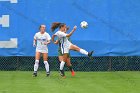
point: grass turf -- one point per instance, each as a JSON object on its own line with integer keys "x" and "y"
{"x": 83, "y": 82}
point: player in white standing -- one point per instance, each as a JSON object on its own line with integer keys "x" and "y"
{"x": 66, "y": 45}
{"x": 41, "y": 40}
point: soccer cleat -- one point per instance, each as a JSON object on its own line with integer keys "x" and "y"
{"x": 72, "y": 73}
{"x": 48, "y": 74}
{"x": 35, "y": 74}
{"x": 62, "y": 73}
{"x": 90, "y": 54}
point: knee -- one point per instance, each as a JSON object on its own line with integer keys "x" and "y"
{"x": 77, "y": 49}
{"x": 69, "y": 65}
{"x": 64, "y": 59}
{"x": 60, "y": 59}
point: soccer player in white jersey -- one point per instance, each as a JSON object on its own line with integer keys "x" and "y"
{"x": 41, "y": 40}
{"x": 60, "y": 55}
{"x": 66, "y": 45}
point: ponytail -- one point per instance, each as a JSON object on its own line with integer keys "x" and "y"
{"x": 55, "y": 25}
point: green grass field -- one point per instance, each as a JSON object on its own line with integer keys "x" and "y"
{"x": 83, "y": 82}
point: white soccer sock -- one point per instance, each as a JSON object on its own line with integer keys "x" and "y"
{"x": 83, "y": 52}
{"x": 46, "y": 66}
{"x": 36, "y": 65}
{"x": 62, "y": 65}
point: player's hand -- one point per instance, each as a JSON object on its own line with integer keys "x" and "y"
{"x": 45, "y": 43}
{"x": 34, "y": 45}
{"x": 75, "y": 27}
{"x": 56, "y": 42}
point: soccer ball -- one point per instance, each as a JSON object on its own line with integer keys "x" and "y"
{"x": 84, "y": 24}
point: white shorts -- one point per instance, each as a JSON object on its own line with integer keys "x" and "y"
{"x": 42, "y": 50}
{"x": 65, "y": 48}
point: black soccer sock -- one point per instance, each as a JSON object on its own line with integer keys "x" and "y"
{"x": 70, "y": 68}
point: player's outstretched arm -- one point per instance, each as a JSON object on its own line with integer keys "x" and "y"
{"x": 74, "y": 28}
{"x": 53, "y": 38}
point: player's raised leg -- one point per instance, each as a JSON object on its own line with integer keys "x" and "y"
{"x": 82, "y": 51}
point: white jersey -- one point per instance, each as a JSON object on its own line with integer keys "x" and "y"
{"x": 41, "y": 42}
{"x": 65, "y": 43}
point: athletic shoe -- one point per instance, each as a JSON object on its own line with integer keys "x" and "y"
{"x": 62, "y": 73}
{"x": 48, "y": 74}
{"x": 35, "y": 74}
{"x": 90, "y": 54}
{"x": 72, "y": 73}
